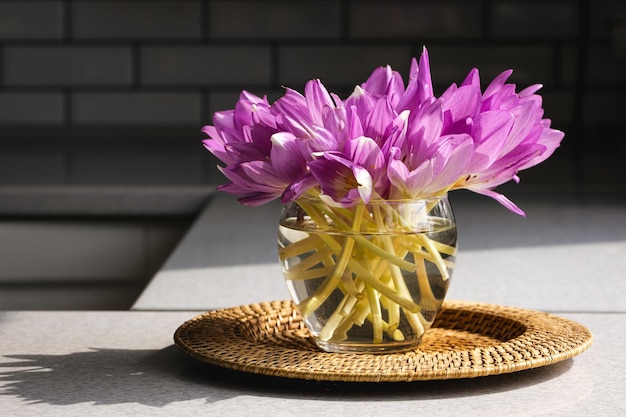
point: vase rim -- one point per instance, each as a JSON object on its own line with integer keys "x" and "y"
{"x": 379, "y": 201}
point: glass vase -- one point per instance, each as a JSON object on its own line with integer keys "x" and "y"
{"x": 368, "y": 278}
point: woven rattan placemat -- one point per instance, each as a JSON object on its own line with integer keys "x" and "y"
{"x": 467, "y": 340}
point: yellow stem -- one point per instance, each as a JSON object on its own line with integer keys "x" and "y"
{"x": 369, "y": 270}
{"x": 376, "y": 314}
{"x": 428, "y": 244}
{"x": 307, "y": 265}
{"x": 388, "y": 292}
{"x": 302, "y": 275}
{"x": 424, "y": 241}
{"x": 312, "y": 303}
{"x": 361, "y": 240}
{"x": 305, "y": 245}
{"x": 427, "y": 298}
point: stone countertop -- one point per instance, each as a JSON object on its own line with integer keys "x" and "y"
{"x": 125, "y": 364}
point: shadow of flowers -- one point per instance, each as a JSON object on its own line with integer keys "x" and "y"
{"x": 107, "y": 376}
{"x": 160, "y": 377}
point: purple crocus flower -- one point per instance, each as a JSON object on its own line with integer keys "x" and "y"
{"x": 259, "y": 165}
{"x": 256, "y": 181}
{"x": 343, "y": 183}
{"x": 242, "y": 133}
{"x": 384, "y": 141}
{"x": 311, "y": 118}
{"x": 508, "y": 130}
{"x": 414, "y": 176}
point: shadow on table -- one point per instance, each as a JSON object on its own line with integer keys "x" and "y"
{"x": 160, "y": 377}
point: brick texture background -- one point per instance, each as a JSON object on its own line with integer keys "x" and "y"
{"x": 115, "y": 92}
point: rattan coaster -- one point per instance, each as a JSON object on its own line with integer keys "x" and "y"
{"x": 467, "y": 340}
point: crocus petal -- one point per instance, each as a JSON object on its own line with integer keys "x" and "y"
{"x": 317, "y": 98}
{"x": 410, "y": 98}
{"x": 251, "y": 109}
{"x": 335, "y": 121}
{"x": 505, "y": 168}
{"x": 530, "y": 90}
{"x": 298, "y": 188}
{"x": 398, "y": 174}
{"x": 256, "y": 199}
{"x": 551, "y": 139}
{"x": 525, "y": 119}
{"x": 500, "y": 199}
{"x": 493, "y": 126}
{"x": 322, "y": 140}
{"x": 473, "y": 78}
{"x": 491, "y": 130}
{"x": 384, "y": 82}
{"x": 249, "y": 198}
{"x": 419, "y": 90}
{"x": 247, "y": 151}
{"x": 461, "y": 103}
{"x": 361, "y": 101}
{"x": 365, "y": 152}
{"x": 255, "y": 175}
{"x": 245, "y": 182}
{"x": 405, "y": 183}
{"x": 419, "y": 179}
{"x": 224, "y": 120}
{"x": 342, "y": 181}
{"x": 286, "y": 156}
{"x": 378, "y": 81}
{"x": 453, "y": 157}
{"x": 366, "y": 184}
{"x": 216, "y": 146}
{"x": 381, "y": 116}
{"x": 355, "y": 126}
{"x": 424, "y": 81}
{"x": 497, "y": 83}
{"x": 396, "y": 137}
{"x": 292, "y": 113}
{"x": 424, "y": 129}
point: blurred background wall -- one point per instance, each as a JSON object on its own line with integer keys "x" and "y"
{"x": 97, "y": 94}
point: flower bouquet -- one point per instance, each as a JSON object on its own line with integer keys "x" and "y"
{"x": 367, "y": 239}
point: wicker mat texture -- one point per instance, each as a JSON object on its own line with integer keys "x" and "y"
{"x": 467, "y": 340}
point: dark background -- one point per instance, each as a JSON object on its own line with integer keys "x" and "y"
{"x": 101, "y": 94}
{"x": 115, "y": 92}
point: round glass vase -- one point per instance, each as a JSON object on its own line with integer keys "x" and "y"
{"x": 368, "y": 278}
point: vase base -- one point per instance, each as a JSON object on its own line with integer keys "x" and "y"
{"x": 371, "y": 348}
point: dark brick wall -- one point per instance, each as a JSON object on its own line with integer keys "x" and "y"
{"x": 115, "y": 92}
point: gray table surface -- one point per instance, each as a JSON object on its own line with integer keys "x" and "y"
{"x": 124, "y": 364}
{"x": 567, "y": 257}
